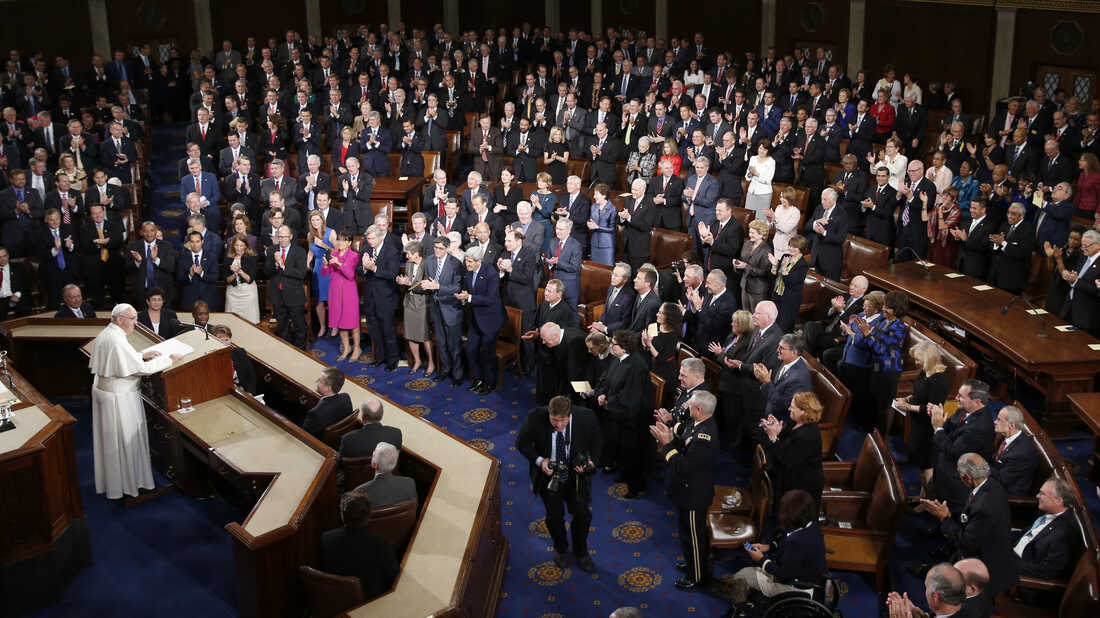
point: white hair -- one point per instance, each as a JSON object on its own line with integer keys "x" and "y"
{"x": 384, "y": 457}
{"x": 121, "y": 310}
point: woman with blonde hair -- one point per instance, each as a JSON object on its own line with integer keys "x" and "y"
{"x": 321, "y": 239}
{"x": 755, "y": 268}
{"x": 78, "y": 178}
{"x": 556, "y": 156}
{"x": 930, "y": 388}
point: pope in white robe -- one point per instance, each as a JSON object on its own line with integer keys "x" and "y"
{"x": 119, "y": 435}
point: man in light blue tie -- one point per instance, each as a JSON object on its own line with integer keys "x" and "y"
{"x": 1048, "y": 549}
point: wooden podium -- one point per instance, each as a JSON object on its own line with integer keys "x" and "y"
{"x": 202, "y": 375}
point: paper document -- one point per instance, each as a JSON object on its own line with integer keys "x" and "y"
{"x": 899, "y": 410}
{"x": 652, "y": 330}
{"x": 954, "y": 275}
{"x": 403, "y": 178}
{"x": 1066, "y": 328}
{"x": 1094, "y": 346}
{"x": 926, "y": 263}
{"x": 1037, "y": 199}
{"x": 169, "y": 347}
{"x": 7, "y": 396}
{"x": 581, "y": 387}
{"x": 1036, "y": 311}
{"x": 983, "y": 288}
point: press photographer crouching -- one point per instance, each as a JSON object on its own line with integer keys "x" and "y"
{"x": 563, "y": 443}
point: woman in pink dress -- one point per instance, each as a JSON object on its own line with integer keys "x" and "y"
{"x": 343, "y": 294}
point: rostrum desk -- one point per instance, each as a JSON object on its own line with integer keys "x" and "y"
{"x": 456, "y": 558}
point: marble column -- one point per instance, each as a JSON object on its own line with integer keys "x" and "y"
{"x": 1002, "y": 57}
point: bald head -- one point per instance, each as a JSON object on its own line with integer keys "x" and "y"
{"x": 975, "y": 574}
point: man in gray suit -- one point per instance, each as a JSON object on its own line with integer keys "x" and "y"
{"x": 280, "y": 183}
{"x": 386, "y": 488}
{"x": 443, "y": 279}
{"x": 572, "y": 118}
{"x": 534, "y": 232}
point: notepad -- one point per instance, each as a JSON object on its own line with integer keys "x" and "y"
{"x": 581, "y": 387}
{"x": 1094, "y": 346}
{"x": 983, "y": 288}
{"x": 954, "y": 275}
{"x": 651, "y": 330}
{"x": 169, "y": 347}
{"x": 926, "y": 263}
{"x": 1066, "y": 328}
{"x": 624, "y": 195}
{"x": 1036, "y": 311}
{"x": 403, "y": 178}
{"x": 1037, "y": 199}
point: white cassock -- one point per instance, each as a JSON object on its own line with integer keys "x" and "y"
{"x": 119, "y": 435}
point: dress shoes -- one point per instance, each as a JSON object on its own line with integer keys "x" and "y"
{"x": 561, "y": 559}
{"x": 474, "y": 386}
{"x": 376, "y": 363}
{"x": 681, "y": 566}
{"x": 688, "y": 583}
{"x": 484, "y": 389}
{"x": 435, "y": 375}
{"x": 391, "y": 366}
{"x": 456, "y": 382}
{"x": 585, "y": 564}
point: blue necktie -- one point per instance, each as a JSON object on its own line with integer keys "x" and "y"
{"x": 149, "y": 279}
{"x": 559, "y": 447}
{"x": 60, "y": 252}
{"x": 196, "y": 259}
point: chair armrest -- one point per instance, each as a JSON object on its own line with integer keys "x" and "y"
{"x": 1027, "y": 502}
{"x": 1036, "y": 583}
{"x": 847, "y": 506}
{"x": 838, "y": 473}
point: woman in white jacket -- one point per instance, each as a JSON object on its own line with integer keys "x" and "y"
{"x": 759, "y": 174}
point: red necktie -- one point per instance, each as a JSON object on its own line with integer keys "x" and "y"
{"x": 202, "y": 130}
{"x": 441, "y": 211}
{"x": 1000, "y": 449}
{"x": 277, "y": 190}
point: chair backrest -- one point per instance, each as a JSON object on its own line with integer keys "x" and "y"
{"x": 666, "y": 246}
{"x": 744, "y": 216}
{"x": 1082, "y": 589}
{"x": 513, "y": 325}
{"x": 454, "y": 142}
{"x": 578, "y": 168}
{"x": 960, "y": 367}
{"x": 882, "y": 509}
{"x": 328, "y": 594}
{"x": 868, "y": 465}
{"x": 760, "y": 482}
{"x": 395, "y": 524}
{"x": 835, "y": 399}
{"x": 332, "y": 434}
{"x": 433, "y": 160}
{"x": 658, "y": 384}
{"x": 357, "y": 470}
{"x": 595, "y": 279}
{"x": 861, "y": 254}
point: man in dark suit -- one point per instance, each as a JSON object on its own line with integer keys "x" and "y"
{"x": 563, "y": 445}
{"x": 151, "y": 263}
{"x": 778, "y": 386}
{"x": 874, "y": 217}
{"x": 619, "y": 302}
{"x": 1020, "y": 155}
{"x": 970, "y": 430}
{"x": 712, "y": 311}
{"x": 562, "y": 360}
{"x": 285, "y": 266}
{"x": 332, "y": 407}
{"x": 244, "y": 373}
{"x": 244, "y": 186}
{"x": 362, "y": 441}
{"x": 1082, "y": 305}
{"x": 689, "y": 455}
{"x": 826, "y": 230}
{"x": 834, "y": 133}
{"x": 102, "y": 192}
{"x": 526, "y": 148}
{"x": 229, "y": 155}
{"x": 311, "y": 181}
{"x": 636, "y": 219}
{"x": 1049, "y": 548}
{"x": 279, "y": 183}
{"x": 481, "y": 291}
{"x": 825, "y": 334}
{"x": 1012, "y": 249}
{"x": 435, "y": 195}
{"x": 915, "y": 195}
{"x": 355, "y": 551}
{"x": 646, "y": 303}
{"x": 16, "y": 301}
{"x": 74, "y": 304}
{"x": 667, "y": 189}
{"x": 410, "y": 144}
{"x": 443, "y": 279}
{"x": 626, "y": 397}
{"x": 861, "y": 131}
{"x": 356, "y": 188}
{"x": 20, "y": 207}
{"x": 380, "y": 266}
{"x": 101, "y": 264}
{"x": 977, "y": 252}
{"x": 387, "y": 488}
{"x": 604, "y": 153}
{"x": 198, "y": 270}
{"x": 520, "y": 271}
{"x": 811, "y": 148}
{"x": 563, "y": 258}
{"x": 55, "y": 245}
{"x": 983, "y": 529}
{"x": 116, "y": 153}
{"x": 909, "y": 127}
{"x": 1053, "y": 218}
{"x": 722, "y": 239}
{"x": 577, "y": 207}
{"x": 205, "y": 133}
{"x": 1014, "y": 462}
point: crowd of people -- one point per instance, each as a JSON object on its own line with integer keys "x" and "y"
{"x": 288, "y": 138}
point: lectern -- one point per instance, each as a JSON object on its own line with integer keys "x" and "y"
{"x": 204, "y": 374}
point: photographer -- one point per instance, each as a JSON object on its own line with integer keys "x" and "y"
{"x": 550, "y": 437}
{"x": 690, "y": 457}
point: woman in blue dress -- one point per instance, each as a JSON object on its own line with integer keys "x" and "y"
{"x": 321, "y": 240}
{"x": 601, "y": 225}
{"x": 543, "y": 202}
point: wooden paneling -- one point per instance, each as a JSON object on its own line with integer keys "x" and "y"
{"x": 425, "y": 13}
{"x": 733, "y": 26}
{"x": 812, "y": 21}
{"x": 1033, "y": 46}
{"x": 146, "y": 20}
{"x": 27, "y": 27}
{"x": 574, "y": 13}
{"x": 636, "y": 14}
{"x": 237, "y": 20}
{"x": 957, "y": 45}
{"x": 496, "y": 13}
{"x": 336, "y": 13}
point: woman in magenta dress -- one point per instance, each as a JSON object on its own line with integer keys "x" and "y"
{"x": 343, "y": 294}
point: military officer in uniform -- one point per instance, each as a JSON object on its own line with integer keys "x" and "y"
{"x": 690, "y": 461}
{"x": 693, "y": 375}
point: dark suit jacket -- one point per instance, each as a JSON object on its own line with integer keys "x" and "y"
{"x": 976, "y": 250}
{"x": 827, "y": 250}
{"x": 521, "y": 285}
{"x": 713, "y": 320}
{"x": 644, "y": 312}
{"x": 486, "y": 309}
{"x": 360, "y": 553}
{"x": 1053, "y": 552}
{"x": 164, "y": 274}
{"x": 812, "y": 170}
{"x": 1015, "y": 467}
{"x": 285, "y": 284}
{"x": 985, "y": 534}
{"x": 535, "y": 440}
{"x": 880, "y": 218}
{"x": 203, "y": 287}
{"x": 777, "y": 393}
{"x": 246, "y": 372}
{"x": 1012, "y": 265}
{"x": 972, "y": 434}
{"x": 380, "y": 284}
{"x": 361, "y": 442}
{"x": 617, "y": 315}
{"x": 389, "y": 489}
{"x": 727, "y": 245}
{"x": 85, "y": 309}
{"x": 637, "y": 229}
{"x": 328, "y": 411}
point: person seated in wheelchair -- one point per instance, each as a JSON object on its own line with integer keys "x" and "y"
{"x": 794, "y": 561}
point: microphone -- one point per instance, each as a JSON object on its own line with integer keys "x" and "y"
{"x": 1011, "y": 302}
{"x": 925, "y": 264}
{"x": 205, "y": 329}
{"x": 1038, "y": 316}
{"x": 900, "y": 252}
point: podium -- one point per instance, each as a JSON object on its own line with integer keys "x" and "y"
{"x": 204, "y": 374}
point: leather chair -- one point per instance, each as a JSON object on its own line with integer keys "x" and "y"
{"x": 861, "y": 254}
{"x": 578, "y": 168}
{"x": 658, "y": 384}
{"x": 835, "y": 399}
{"x": 357, "y": 470}
{"x": 328, "y": 594}
{"x": 744, "y": 216}
{"x": 395, "y": 524}
{"x": 666, "y": 246}
{"x": 332, "y": 434}
{"x": 508, "y": 347}
{"x": 746, "y": 497}
{"x": 832, "y": 170}
{"x": 730, "y": 530}
{"x": 595, "y": 279}
{"x": 871, "y": 517}
{"x": 454, "y": 152}
{"x": 816, "y": 292}
{"x": 801, "y": 200}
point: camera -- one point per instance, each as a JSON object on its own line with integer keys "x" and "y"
{"x": 328, "y": 255}
{"x": 559, "y": 470}
{"x": 679, "y": 267}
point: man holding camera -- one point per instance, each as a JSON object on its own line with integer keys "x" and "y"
{"x": 563, "y": 445}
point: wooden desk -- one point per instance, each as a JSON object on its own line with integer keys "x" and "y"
{"x": 44, "y": 537}
{"x": 1087, "y": 407}
{"x": 456, "y": 558}
{"x": 1057, "y": 364}
{"x": 393, "y": 188}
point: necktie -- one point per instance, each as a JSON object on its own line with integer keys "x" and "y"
{"x": 104, "y": 254}
{"x": 755, "y": 340}
{"x": 782, "y": 371}
{"x": 60, "y": 251}
{"x": 559, "y": 446}
{"x": 66, "y": 214}
{"x": 439, "y": 269}
{"x": 1001, "y": 449}
{"x": 905, "y": 214}
{"x": 149, "y": 279}
{"x": 202, "y": 131}
{"x": 611, "y": 297}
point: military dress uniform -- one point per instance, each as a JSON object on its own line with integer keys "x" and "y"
{"x": 690, "y": 460}
{"x": 681, "y": 415}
